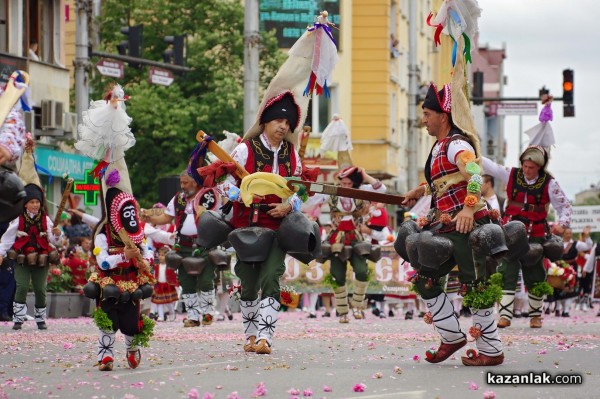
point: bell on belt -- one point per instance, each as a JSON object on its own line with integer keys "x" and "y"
{"x": 12, "y": 195}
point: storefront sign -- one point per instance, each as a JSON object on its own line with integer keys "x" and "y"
{"x": 61, "y": 163}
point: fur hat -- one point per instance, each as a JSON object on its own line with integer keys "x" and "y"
{"x": 282, "y": 107}
{"x": 535, "y": 154}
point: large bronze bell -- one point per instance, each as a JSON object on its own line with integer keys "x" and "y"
{"x": 194, "y": 265}
{"x": 91, "y": 290}
{"x": 362, "y": 248}
{"x": 434, "y": 250}
{"x": 12, "y": 195}
{"x": 220, "y": 259}
{"x": 297, "y": 234}
{"x": 375, "y": 253}
{"x": 533, "y": 256}
{"x": 32, "y": 258}
{"x": 412, "y": 242}
{"x": 516, "y": 239}
{"x": 173, "y": 260}
{"x": 111, "y": 291}
{"x": 553, "y": 248}
{"x": 252, "y": 244}
{"x": 42, "y": 260}
{"x": 147, "y": 290}
{"x": 213, "y": 229}
{"x": 54, "y": 257}
{"x": 406, "y": 228}
{"x": 488, "y": 239}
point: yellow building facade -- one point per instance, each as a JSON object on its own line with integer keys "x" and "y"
{"x": 371, "y": 82}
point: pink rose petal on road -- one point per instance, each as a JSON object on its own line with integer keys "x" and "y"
{"x": 193, "y": 394}
{"x": 208, "y": 395}
{"x": 359, "y": 387}
{"x": 260, "y": 390}
{"x": 293, "y": 391}
{"x": 473, "y": 386}
{"x": 307, "y": 393}
{"x": 327, "y": 388}
{"x": 417, "y": 358}
{"x": 489, "y": 395}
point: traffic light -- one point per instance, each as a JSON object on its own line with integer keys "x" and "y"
{"x": 568, "y": 105}
{"x": 177, "y": 53}
{"x": 477, "y": 93}
{"x": 133, "y": 46}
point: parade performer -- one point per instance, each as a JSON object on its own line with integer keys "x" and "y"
{"x": 269, "y": 146}
{"x": 453, "y": 175}
{"x": 165, "y": 289}
{"x": 530, "y": 191}
{"x": 184, "y": 209}
{"x": 30, "y": 241}
{"x": 123, "y": 276}
{"x": 347, "y": 216}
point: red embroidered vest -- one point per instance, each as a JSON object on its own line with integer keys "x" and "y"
{"x": 438, "y": 166}
{"x": 260, "y": 159}
{"x": 33, "y": 227}
{"x": 519, "y": 191}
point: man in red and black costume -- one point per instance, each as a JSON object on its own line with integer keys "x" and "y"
{"x": 529, "y": 192}
{"x": 267, "y": 151}
{"x": 454, "y": 181}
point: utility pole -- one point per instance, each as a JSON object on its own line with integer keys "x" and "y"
{"x": 413, "y": 123}
{"x": 82, "y": 57}
{"x": 251, "y": 43}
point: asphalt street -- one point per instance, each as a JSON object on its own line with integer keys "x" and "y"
{"x": 312, "y": 358}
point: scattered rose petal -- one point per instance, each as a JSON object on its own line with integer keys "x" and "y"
{"x": 193, "y": 394}
{"x": 260, "y": 390}
{"x": 359, "y": 387}
{"x": 233, "y": 395}
{"x": 68, "y": 345}
{"x": 293, "y": 391}
{"x": 542, "y": 352}
{"x": 307, "y": 392}
{"x": 327, "y": 388}
{"x": 417, "y": 358}
{"x": 489, "y": 395}
{"x": 231, "y": 368}
{"x": 208, "y": 395}
{"x": 139, "y": 384}
{"x": 397, "y": 370}
{"x": 377, "y": 375}
{"x": 473, "y": 386}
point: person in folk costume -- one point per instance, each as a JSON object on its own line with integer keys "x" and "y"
{"x": 270, "y": 146}
{"x": 530, "y": 191}
{"x": 564, "y": 297}
{"x": 30, "y": 241}
{"x": 184, "y": 209}
{"x": 165, "y": 289}
{"x": 123, "y": 276}
{"x": 585, "y": 278}
{"x": 453, "y": 178}
{"x": 347, "y": 216}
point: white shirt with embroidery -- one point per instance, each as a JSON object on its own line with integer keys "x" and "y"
{"x": 558, "y": 198}
{"x": 114, "y": 260}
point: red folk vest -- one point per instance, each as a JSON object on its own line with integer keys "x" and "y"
{"x": 536, "y": 194}
{"x": 260, "y": 159}
{"x": 34, "y": 240}
{"x": 439, "y": 165}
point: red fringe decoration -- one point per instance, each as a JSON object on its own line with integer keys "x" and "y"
{"x": 310, "y": 174}
{"x": 214, "y": 171}
{"x": 475, "y": 332}
{"x": 428, "y": 318}
{"x": 96, "y": 171}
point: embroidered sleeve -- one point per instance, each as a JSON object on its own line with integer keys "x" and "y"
{"x": 560, "y": 202}
{"x": 106, "y": 261}
{"x": 9, "y": 237}
{"x": 12, "y": 134}
{"x": 493, "y": 169}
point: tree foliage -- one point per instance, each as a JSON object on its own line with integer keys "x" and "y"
{"x": 210, "y": 97}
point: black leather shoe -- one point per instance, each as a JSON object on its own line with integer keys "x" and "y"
{"x": 17, "y": 326}
{"x": 42, "y": 325}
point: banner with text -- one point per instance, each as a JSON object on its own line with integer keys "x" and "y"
{"x": 388, "y": 275}
{"x": 583, "y": 216}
